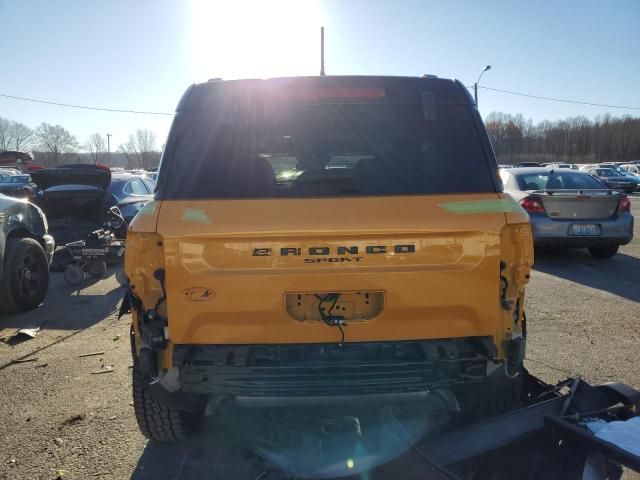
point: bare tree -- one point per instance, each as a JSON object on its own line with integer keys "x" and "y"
{"x": 55, "y": 142}
{"x": 140, "y": 150}
{"x": 15, "y": 135}
{"x": 23, "y": 137}
{"x": 130, "y": 152}
{"x": 5, "y": 134}
{"x": 96, "y": 146}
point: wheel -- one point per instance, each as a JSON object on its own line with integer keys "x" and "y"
{"x": 606, "y": 251}
{"x": 73, "y": 275}
{"x": 97, "y": 269}
{"x": 121, "y": 277}
{"x": 156, "y": 420}
{"x": 25, "y": 280}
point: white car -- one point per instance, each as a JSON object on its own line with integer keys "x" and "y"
{"x": 587, "y": 166}
{"x": 631, "y": 169}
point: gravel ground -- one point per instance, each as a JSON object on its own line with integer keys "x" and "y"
{"x": 66, "y": 416}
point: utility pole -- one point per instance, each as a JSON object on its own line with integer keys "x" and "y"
{"x": 475, "y": 85}
{"x": 321, "y": 50}
{"x": 109, "y": 149}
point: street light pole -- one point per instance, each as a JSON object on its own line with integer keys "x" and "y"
{"x": 475, "y": 85}
{"x": 109, "y": 149}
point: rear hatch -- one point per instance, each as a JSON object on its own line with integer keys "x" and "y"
{"x": 73, "y": 199}
{"x": 365, "y": 200}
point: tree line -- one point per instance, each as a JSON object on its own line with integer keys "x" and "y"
{"x": 576, "y": 139}
{"x": 53, "y": 145}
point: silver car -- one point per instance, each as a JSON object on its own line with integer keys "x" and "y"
{"x": 572, "y": 209}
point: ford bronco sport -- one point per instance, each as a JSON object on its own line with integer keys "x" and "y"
{"x": 319, "y": 240}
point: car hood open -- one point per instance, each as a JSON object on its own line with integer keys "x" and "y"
{"x": 72, "y": 175}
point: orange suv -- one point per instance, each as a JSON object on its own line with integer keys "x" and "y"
{"x": 319, "y": 240}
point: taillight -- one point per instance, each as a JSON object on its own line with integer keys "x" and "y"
{"x": 624, "y": 205}
{"x": 532, "y": 205}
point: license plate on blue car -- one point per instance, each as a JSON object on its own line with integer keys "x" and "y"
{"x": 584, "y": 229}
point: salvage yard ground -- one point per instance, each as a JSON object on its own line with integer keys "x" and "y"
{"x": 65, "y": 415}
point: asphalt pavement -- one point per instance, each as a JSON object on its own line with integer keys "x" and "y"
{"x": 67, "y": 415}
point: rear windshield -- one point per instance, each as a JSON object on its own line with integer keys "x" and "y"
{"x": 324, "y": 150}
{"x": 557, "y": 181}
{"x": 17, "y": 179}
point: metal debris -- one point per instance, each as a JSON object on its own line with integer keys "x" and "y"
{"x": 90, "y": 354}
{"x": 24, "y": 360}
{"x": 20, "y": 335}
{"x": 106, "y": 369}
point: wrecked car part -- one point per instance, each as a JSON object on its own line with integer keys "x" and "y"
{"x": 100, "y": 248}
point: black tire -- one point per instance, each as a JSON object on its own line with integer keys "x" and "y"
{"x": 606, "y": 251}
{"x": 97, "y": 269}
{"x": 73, "y": 275}
{"x": 156, "y": 420}
{"x": 25, "y": 279}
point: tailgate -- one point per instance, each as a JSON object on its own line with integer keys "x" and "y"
{"x": 235, "y": 269}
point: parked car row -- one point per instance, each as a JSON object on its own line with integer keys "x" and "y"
{"x": 618, "y": 176}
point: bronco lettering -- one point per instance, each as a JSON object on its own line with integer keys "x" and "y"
{"x": 342, "y": 250}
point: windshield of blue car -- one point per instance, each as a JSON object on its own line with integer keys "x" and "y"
{"x": 557, "y": 181}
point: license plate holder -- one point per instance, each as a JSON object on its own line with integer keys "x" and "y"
{"x": 352, "y": 306}
{"x": 584, "y": 229}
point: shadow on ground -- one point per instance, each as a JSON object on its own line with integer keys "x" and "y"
{"x": 210, "y": 454}
{"x": 619, "y": 275}
{"x": 278, "y": 444}
{"x": 69, "y": 308}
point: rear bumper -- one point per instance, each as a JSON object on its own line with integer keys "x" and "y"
{"x": 293, "y": 374}
{"x": 550, "y": 232}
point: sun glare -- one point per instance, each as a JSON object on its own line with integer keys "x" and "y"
{"x": 255, "y": 39}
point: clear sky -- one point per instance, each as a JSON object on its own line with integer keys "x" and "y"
{"x": 143, "y": 54}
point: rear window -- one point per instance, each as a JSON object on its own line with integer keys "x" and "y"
{"x": 136, "y": 187}
{"x": 557, "y": 181}
{"x": 293, "y": 150}
{"x": 18, "y": 179}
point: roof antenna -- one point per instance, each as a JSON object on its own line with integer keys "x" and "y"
{"x": 322, "y": 51}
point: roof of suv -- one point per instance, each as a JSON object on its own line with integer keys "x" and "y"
{"x": 345, "y": 88}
